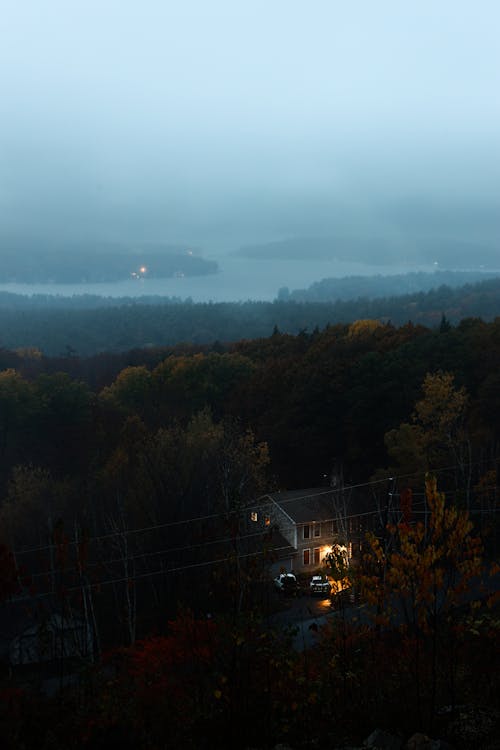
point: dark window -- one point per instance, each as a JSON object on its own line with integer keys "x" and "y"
{"x": 316, "y": 554}
{"x": 306, "y": 556}
{"x": 306, "y": 531}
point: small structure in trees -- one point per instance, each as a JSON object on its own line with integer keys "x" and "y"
{"x": 35, "y": 637}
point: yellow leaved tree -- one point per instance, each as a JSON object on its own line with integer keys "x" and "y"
{"x": 437, "y": 435}
{"x": 417, "y": 578}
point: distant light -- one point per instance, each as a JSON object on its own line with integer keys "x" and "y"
{"x": 143, "y": 269}
{"x": 189, "y": 252}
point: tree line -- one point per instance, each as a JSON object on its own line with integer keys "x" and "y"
{"x": 55, "y": 329}
{"x": 311, "y": 397}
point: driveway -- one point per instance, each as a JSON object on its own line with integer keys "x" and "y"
{"x": 309, "y": 613}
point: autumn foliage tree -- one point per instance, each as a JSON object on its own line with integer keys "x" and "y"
{"x": 199, "y": 683}
{"x": 417, "y": 578}
{"x": 436, "y": 436}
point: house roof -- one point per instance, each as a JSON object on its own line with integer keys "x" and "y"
{"x": 306, "y": 506}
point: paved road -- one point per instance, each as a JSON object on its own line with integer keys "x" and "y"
{"x": 308, "y": 614}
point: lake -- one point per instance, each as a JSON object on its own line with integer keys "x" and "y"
{"x": 238, "y": 280}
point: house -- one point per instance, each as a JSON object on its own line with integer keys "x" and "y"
{"x": 51, "y": 640}
{"x": 310, "y": 520}
{"x": 31, "y": 635}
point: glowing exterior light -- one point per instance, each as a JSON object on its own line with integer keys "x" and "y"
{"x": 143, "y": 269}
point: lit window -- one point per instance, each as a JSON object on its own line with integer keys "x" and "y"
{"x": 306, "y": 531}
{"x": 316, "y": 555}
{"x": 306, "y": 557}
{"x": 254, "y": 516}
{"x": 267, "y": 520}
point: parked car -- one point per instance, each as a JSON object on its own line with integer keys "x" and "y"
{"x": 287, "y": 583}
{"x": 320, "y": 585}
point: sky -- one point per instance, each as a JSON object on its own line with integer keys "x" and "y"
{"x": 223, "y": 122}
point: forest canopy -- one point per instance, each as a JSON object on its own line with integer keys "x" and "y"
{"x": 87, "y": 326}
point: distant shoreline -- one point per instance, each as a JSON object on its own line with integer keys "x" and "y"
{"x": 67, "y": 266}
{"x": 234, "y": 280}
{"x": 87, "y": 326}
{"x": 236, "y": 283}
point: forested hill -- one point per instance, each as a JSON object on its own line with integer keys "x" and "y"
{"x": 76, "y": 264}
{"x": 310, "y": 397}
{"x": 353, "y": 287}
{"x": 25, "y": 323}
{"x": 128, "y": 505}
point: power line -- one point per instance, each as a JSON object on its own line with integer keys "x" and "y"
{"x": 225, "y": 540}
{"x": 189, "y": 566}
{"x": 172, "y": 524}
{"x": 211, "y": 516}
{"x": 195, "y": 519}
{"x": 166, "y": 550}
{"x": 128, "y": 579}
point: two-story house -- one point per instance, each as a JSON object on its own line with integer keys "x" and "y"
{"x": 308, "y": 520}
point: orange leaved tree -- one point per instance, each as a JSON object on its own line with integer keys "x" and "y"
{"x": 417, "y": 584}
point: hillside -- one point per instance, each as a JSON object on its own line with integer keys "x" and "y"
{"x": 55, "y": 326}
{"x": 96, "y": 264}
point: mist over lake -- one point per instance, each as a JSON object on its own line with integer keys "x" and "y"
{"x": 230, "y": 127}
{"x": 239, "y": 279}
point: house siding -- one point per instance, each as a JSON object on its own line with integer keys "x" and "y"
{"x": 294, "y": 533}
{"x": 290, "y": 512}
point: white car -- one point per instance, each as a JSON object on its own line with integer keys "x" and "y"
{"x": 320, "y": 585}
{"x": 286, "y": 582}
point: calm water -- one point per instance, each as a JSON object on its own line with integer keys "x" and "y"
{"x": 238, "y": 280}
